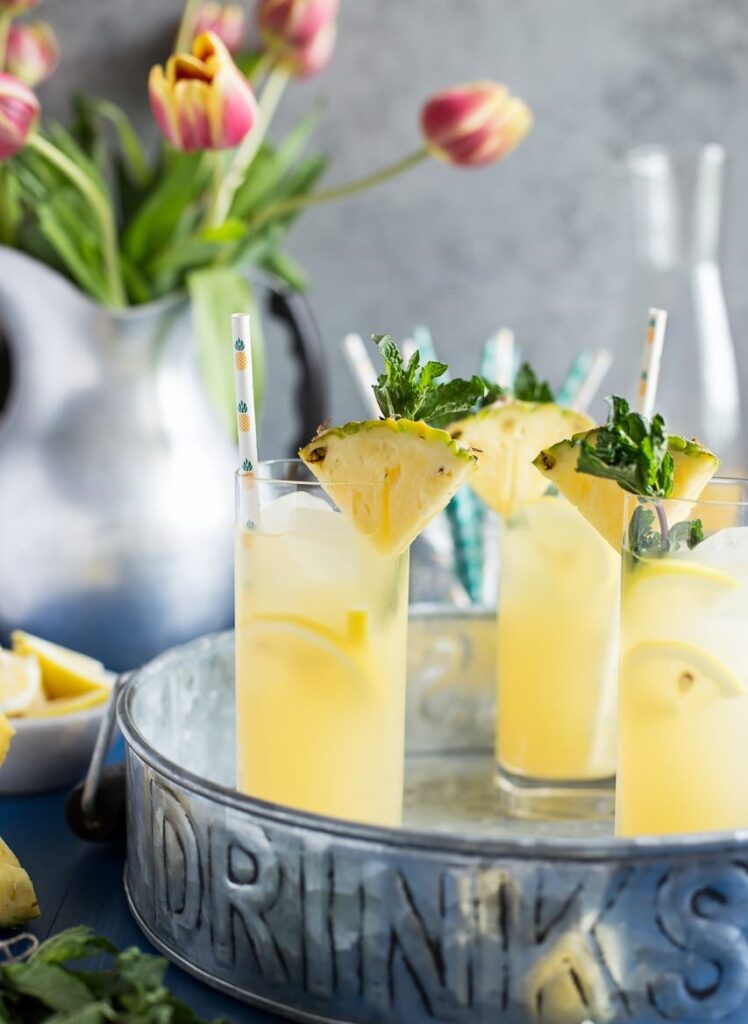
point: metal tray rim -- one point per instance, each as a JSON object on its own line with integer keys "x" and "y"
{"x": 437, "y": 843}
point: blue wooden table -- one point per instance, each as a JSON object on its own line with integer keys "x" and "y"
{"x": 81, "y": 883}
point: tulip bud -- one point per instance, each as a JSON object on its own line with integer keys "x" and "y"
{"x": 32, "y": 53}
{"x": 16, "y": 7}
{"x": 226, "y": 20}
{"x": 474, "y": 124}
{"x": 202, "y": 100}
{"x": 19, "y": 112}
{"x": 311, "y": 57}
{"x": 294, "y": 23}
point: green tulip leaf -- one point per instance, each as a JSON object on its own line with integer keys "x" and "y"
{"x": 216, "y": 293}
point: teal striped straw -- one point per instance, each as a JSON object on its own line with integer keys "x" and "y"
{"x": 464, "y": 512}
{"x": 584, "y": 378}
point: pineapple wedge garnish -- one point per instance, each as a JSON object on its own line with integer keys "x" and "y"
{"x": 390, "y": 477}
{"x": 507, "y": 437}
{"x": 601, "y": 499}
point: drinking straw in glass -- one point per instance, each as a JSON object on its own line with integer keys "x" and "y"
{"x": 363, "y": 371}
{"x": 464, "y": 512}
{"x": 500, "y": 358}
{"x": 246, "y": 423}
{"x": 651, "y": 358}
{"x": 583, "y": 380}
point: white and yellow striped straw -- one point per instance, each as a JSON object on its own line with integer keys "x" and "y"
{"x": 651, "y": 359}
{"x": 245, "y": 418}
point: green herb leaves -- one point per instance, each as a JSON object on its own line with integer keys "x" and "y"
{"x": 414, "y": 392}
{"x": 528, "y": 388}
{"x": 130, "y": 991}
{"x": 646, "y": 542}
{"x": 631, "y": 450}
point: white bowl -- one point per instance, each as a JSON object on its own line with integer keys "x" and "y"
{"x": 49, "y": 753}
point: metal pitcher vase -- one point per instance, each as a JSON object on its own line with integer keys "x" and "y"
{"x": 116, "y": 476}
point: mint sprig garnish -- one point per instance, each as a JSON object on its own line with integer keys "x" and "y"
{"x": 632, "y": 450}
{"x": 46, "y": 987}
{"x": 646, "y": 542}
{"x": 414, "y": 392}
{"x": 529, "y": 388}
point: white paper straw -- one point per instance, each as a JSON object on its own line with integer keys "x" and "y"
{"x": 500, "y": 356}
{"x": 245, "y": 418}
{"x": 409, "y": 349}
{"x": 598, "y": 366}
{"x": 363, "y": 371}
{"x": 651, "y": 358}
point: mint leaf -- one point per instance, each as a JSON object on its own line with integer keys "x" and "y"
{"x": 72, "y": 944}
{"x": 413, "y": 392}
{"x": 631, "y": 450}
{"x": 449, "y": 402}
{"x": 130, "y": 990}
{"x": 493, "y": 392}
{"x": 646, "y": 542}
{"x": 528, "y": 388}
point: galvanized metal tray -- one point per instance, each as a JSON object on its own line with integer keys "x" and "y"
{"x": 459, "y": 916}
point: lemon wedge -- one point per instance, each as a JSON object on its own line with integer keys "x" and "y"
{"x": 7, "y": 732}
{"x": 676, "y": 676}
{"x": 64, "y": 673}
{"x": 70, "y": 705}
{"x": 20, "y": 682}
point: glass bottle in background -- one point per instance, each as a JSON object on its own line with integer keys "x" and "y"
{"x": 677, "y": 200}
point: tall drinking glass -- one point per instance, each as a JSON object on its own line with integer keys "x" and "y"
{"x": 683, "y": 755}
{"x": 557, "y": 663}
{"x": 321, "y": 625}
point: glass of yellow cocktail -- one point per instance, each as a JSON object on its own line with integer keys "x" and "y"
{"x": 684, "y": 664}
{"x": 321, "y": 622}
{"x": 322, "y": 593}
{"x": 557, "y": 614}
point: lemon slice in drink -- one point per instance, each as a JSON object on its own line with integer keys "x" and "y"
{"x": 670, "y": 591}
{"x": 674, "y": 676}
{"x": 305, "y": 649}
{"x": 20, "y": 682}
{"x": 64, "y": 673}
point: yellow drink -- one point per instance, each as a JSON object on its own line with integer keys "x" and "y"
{"x": 321, "y": 621}
{"x": 557, "y": 647}
{"x": 684, "y": 687}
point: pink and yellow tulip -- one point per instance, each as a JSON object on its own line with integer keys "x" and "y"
{"x": 307, "y": 59}
{"x": 32, "y": 52}
{"x": 15, "y": 7}
{"x": 474, "y": 124}
{"x": 19, "y": 113}
{"x": 294, "y": 23}
{"x": 227, "y": 21}
{"x": 202, "y": 100}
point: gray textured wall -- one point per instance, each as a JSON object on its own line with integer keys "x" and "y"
{"x": 539, "y": 242}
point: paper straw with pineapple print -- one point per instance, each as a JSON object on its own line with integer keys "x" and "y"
{"x": 651, "y": 358}
{"x": 245, "y": 418}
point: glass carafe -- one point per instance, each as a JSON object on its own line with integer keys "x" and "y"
{"x": 677, "y": 224}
